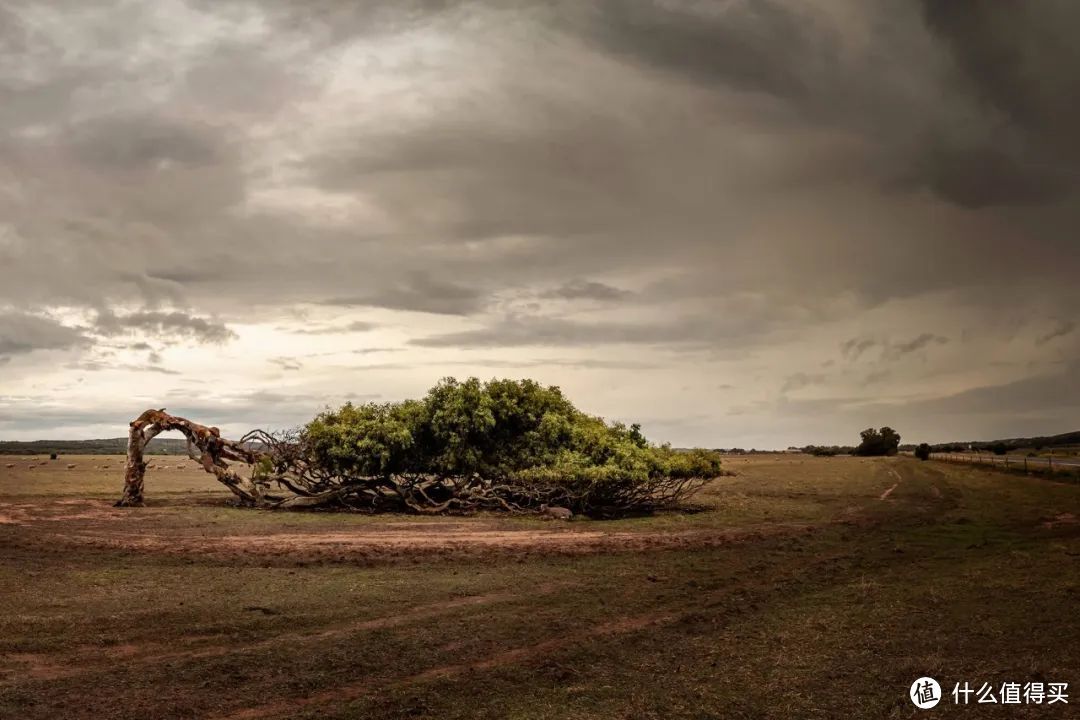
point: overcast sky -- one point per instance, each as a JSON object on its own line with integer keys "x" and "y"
{"x": 740, "y": 223}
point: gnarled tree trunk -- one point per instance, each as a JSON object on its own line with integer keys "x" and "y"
{"x": 214, "y": 451}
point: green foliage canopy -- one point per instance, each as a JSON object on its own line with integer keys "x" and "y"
{"x": 885, "y": 441}
{"x": 518, "y": 434}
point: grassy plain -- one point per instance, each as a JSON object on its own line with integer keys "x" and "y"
{"x": 801, "y": 588}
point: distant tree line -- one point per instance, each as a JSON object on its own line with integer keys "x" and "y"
{"x": 108, "y": 446}
{"x": 828, "y": 450}
{"x": 1005, "y": 446}
{"x": 886, "y": 441}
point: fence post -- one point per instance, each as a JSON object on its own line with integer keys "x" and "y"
{"x": 1025, "y": 465}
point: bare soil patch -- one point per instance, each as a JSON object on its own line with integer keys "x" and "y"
{"x": 1064, "y": 518}
{"x": 96, "y": 524}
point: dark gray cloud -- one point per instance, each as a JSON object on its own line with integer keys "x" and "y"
{"x": 186, "y": 276}
{"x": 1021, "y": 64}
{"x": 854, "y": 348}
{"x": 890, "y": 350}
{"x": 141, "y": 144}
{"x": 1063, "y": 328}
{"x": 287, "y": 363}
{"x": 611, "y": 169}
{"x": 987, "y": 175}
{"x": 1041, "y": 393}
{"x": 532, "y": 330}
{"x": 372, "y": 350}
{"x": 585, "y": 290}
{"x": 22, "y": 333}
{"x": 1010, "y": 155}
{"x": 581, "y": 363}
{"x": 174, "y": 325}
{"x": 731, "y": 45}
{"x": 100, "y": 366}
{"x": 356, "y": 326}
{"x": 419, "y": 292}
{"x": 801, "y": 380}
{"x": 877, "y": 377}
{"x": 895, "y": 351}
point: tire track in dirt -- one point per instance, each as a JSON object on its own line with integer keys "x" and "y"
{"x": 130, "y": 657}
{"x": 391, "y": 545}
{"x": 357, "y": 690}
{"x": 899, "y": 480}
{"x": 91, "y": 659}
{"x": 623, "y": 625}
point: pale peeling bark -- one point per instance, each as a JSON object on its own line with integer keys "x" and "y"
{"x": 214, "y": 451}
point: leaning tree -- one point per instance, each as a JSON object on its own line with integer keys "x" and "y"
{"x": 502, "y": 445}
{"x": 214, "y": 454}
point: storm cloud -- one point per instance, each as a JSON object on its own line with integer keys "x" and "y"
{"x": 164, "y": 325}
{"x": 22, "y": 333}
{"x": 898, "y": 350}
{"x": 790, "y": 196}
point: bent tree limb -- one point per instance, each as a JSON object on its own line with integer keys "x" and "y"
{"x": 214, "y": 451}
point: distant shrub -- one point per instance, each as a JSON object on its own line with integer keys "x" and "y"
{"x": 922, "y": 451}
{"x": 52, "y": 456}
{"x": 826, "y": 450}
{"x": 878, "y": 442}
{"x": 999, "y": 448}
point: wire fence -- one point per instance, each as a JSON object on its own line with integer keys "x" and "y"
{"x": 1043, "y": 464}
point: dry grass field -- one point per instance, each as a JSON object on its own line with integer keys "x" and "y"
{"x": 800, "y": 588}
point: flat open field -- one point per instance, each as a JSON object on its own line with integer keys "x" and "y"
{"x": 804, "y": 588}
